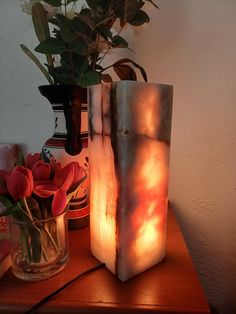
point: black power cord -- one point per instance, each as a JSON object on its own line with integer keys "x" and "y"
{"x": 66, "y": 285}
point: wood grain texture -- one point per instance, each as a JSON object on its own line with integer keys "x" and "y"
{"x": 170, "y": 287}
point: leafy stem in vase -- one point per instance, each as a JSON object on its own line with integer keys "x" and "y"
{"x": 76, "y": 42}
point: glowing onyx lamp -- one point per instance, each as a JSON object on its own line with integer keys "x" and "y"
{"x": 129, "y": 142}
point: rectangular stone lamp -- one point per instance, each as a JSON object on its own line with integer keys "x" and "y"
{"x": 129, "y": 144}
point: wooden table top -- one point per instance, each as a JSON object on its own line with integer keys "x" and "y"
{"x": 170, "y": 287}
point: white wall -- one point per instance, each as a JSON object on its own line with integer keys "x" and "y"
{"x": 25, "y": 117}
{"x": 192, "y": 45}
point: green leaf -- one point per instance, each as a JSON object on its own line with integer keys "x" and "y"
{"x": 140, "y": 18}
{"x": 65, "y": 64}
{"x": 74, "y": 62}
{"x": 83, "y": 25}
{"x": 89, "y": 78}
{"x": 79, "y": 47}
{"x": 119, "y": 41}
{"x": 125, "y": 72}
{"x": 65, "y": 28}
{"x": 104, "y": 31}
{"x": 10, "y": 211}
{"x": 104, "y": 21}
{"x": 63, "y": 75}
{"x": 51, "y": 45}
{"x": 37, "y": 62}
{"x": 40, "y": 22}
{"x": 63, "y": 21}
{"x": 86, "y": 11}
{"x": 54, "y": 3}
{"x": 5, "y": 202}
{"x": 34, "y": 208}
{"x": 24, "y": 241}
{"x": 36, "y": 243}
{"x": 67, "y": 35}
{"x": 81, "y": 66}
{"x": 86, "y": 22}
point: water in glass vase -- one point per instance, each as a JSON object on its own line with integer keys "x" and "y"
{"x": 39, "y": 249}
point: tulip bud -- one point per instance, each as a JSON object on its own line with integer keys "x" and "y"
{"x": 31, "y": 159}
{"x": 44, "y": 189}
{"x": 20, "y": 183}
{"x": 55, "y": 166}
{"x": 79, "y": 172}
{"x": 58, "y": 203}
{"x": 41, "y": 170}
{"x": 64, "y": 177}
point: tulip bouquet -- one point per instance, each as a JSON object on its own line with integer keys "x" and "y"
{"x": 36, "y": 192}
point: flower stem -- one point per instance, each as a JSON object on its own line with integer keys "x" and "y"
{"x": 27, "y": 208}
{"x": 51, "y": 238}
{"x": 28, "y": 212}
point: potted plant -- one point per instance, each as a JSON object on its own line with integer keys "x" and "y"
{"x": 75, "y": 43}
{"x": 83, "y": 39}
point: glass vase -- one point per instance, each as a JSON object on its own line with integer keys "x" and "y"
{"x": 39, "y": 249}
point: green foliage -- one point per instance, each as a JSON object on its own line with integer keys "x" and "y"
{"x": 40, "y": 21}
{"x": 89, "y": 78}
{"x": 140, "y": 18}
{"x": 119, "y": 41}
{"x": 7, "y": 204}
{"x": 51, "y": 45}
{"x": 38, "y": 63}
{"x": 75, "y": 44}
{"x": 80, "y": 47}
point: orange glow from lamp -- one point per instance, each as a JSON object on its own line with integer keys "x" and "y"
{"x": 129, "y": 146}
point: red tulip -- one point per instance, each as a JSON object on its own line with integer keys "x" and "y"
{"x": 3, "y": 187}
{"x": 58, "y": 203}
{"x": 44, "y": 188}
{"x": 20, "y": 183}
{"x": 55, "y": 166}
{"x": 41, "y": 170}
{"x": 31, "y": 159}
{"x": 79, "y": 172}
{"x": 64, "y": 177}
{"x": 62, "y": 181}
